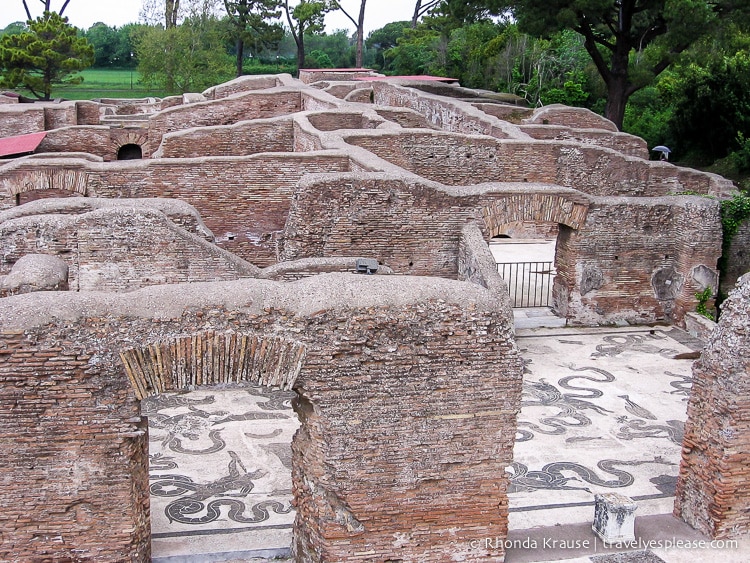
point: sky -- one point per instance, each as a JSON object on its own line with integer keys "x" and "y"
{"x": 84, "y": 13}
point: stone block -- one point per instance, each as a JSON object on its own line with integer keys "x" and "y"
{"x": 614, "y": 518}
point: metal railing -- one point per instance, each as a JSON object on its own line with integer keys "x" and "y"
{"x": 529, "y": 283}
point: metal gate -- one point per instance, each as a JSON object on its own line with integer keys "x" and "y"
{"x": 529, "y": 283}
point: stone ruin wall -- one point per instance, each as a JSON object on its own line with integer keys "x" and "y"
{"x": 642, "y": 251}
{"x": 461, "y": 160}
{"x": 640, "y": 260}
{"x": 120, "y": 249}
{"x": 712, "y": 489}
{"x": 244, "y": 201}
{"x": 367, "y": 366}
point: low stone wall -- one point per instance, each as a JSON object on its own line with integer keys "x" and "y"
{"x": 715, "y": 474}
{"x": 242, "y": 106}
{"x": 399, "y": 383}
{"x": 462, "y": 160}
{"x": 244, "y": 201}
{"x": 119, "y": 249}
{"x": 240, "y": 139}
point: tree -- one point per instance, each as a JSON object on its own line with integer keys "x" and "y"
{"x": 305, "y": 17}
{"x": 421, "y": 8}
{"x": 113, "y": 47}
{"x": 629, "y": 41}
{"x": 47, "y": 7}
{"x": 189, "y": 57}
{"x": 50, "y": 52}
{"x": 383, "y": 39}
{"x": 249, "y": 20}
{"x": 359, "y": 24}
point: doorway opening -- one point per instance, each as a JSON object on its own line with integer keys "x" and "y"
{"x": 525, "y": 258}
{"x": 130, "y": 152}
{"x": 220, "y": 480}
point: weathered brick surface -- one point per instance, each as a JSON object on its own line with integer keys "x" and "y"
{"x": 715, "y": 472}
{"x": 373, "y": 457}
{"x": 580, "y": 118}
{"x": 237, "y": 107}
{"x": 119, "y": 249}
{"x": 241, "y": 139}
{"x": 460, "y": 160}
{"x": 603, "y": 275}
{"x": 738, "y": 261}
{"x": 19, "y": 119}
{"x": 244, "y": 201}
{"x": 634, "y": 260}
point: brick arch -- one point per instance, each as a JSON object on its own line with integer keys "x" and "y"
{"x": 76, "y": 181}
{"x": 548, "y": 208}
{"x": 119, "y": 140}
{"x": 212, "y": 358}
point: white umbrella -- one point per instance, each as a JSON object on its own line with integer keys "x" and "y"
{"x": 661, "y": 148}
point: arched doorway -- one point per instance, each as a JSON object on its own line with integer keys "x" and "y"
{"x": 130, "y": 151}
{"x": 524, "y": 231}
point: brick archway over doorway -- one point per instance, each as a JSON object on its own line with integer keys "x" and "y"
{"x": 406, "y": 424}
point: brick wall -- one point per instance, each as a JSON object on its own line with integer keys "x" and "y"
{"x": 119, "y": 249}
{"x": 373, "y": 457}
{"x": 715, "y": 474}
{"x": 627, "y": 259}
{"x": 738, "y": 261}
{"x": 20, "y": 119}
{"x": 244, "y": 201}
{"x": 634, "y": 260}
{"x": 461, "y": 160}
{"x": 237, "y": 107}
{"x": 244, "y": 138}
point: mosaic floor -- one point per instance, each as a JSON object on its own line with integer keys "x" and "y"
{"x": 220, "y": 470}
{"x": 603, "y": 410}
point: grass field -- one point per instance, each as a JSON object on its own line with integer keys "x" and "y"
{"x": 101, "y": 83}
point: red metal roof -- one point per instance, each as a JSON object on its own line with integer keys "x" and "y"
{"x": 20, "y": 144}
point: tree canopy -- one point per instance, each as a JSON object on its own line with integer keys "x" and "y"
{"x": 50, "y": 52}
{"x": 250, "y": 24}
{"x": 629, "y": 41}
{"x": 306, "y": 17}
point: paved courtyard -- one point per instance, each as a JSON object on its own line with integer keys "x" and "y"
{"x": 603, "y": 410}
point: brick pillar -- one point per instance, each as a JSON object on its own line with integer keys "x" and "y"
{"x": 715, "y": 470}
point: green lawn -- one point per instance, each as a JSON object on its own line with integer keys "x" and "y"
{"x": 101, "y": 83}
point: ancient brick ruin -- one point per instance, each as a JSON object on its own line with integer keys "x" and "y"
{"x": 714, "y": 479}
{"x": 227, "y": 254}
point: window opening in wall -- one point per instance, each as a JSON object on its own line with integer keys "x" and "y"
{"x": 130, "y": 152}
{"x": 526, "y": 261}
{"x": 220, "y": 471}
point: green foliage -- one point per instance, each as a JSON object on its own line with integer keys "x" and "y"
{"x": 630, "y": 43}
{"x": 318, "y": 59}
{"x": 13, "y": 29}
{"x": 50, "y": 52}
{"x": 250, "y": 25}
{"x": 734, "y": 212}
{"x": 113, "y": 47}
{"x": 713, "y": 107}
{"x": 703, "y": 297}
{"x": 338, "y": 50}
{"x": 185, "y": 58}
{"x": 648, "y": 116}
{"x": 380, "y": 40}
{"x": 306, "y": 18}
{"x": 741, "y": 157}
